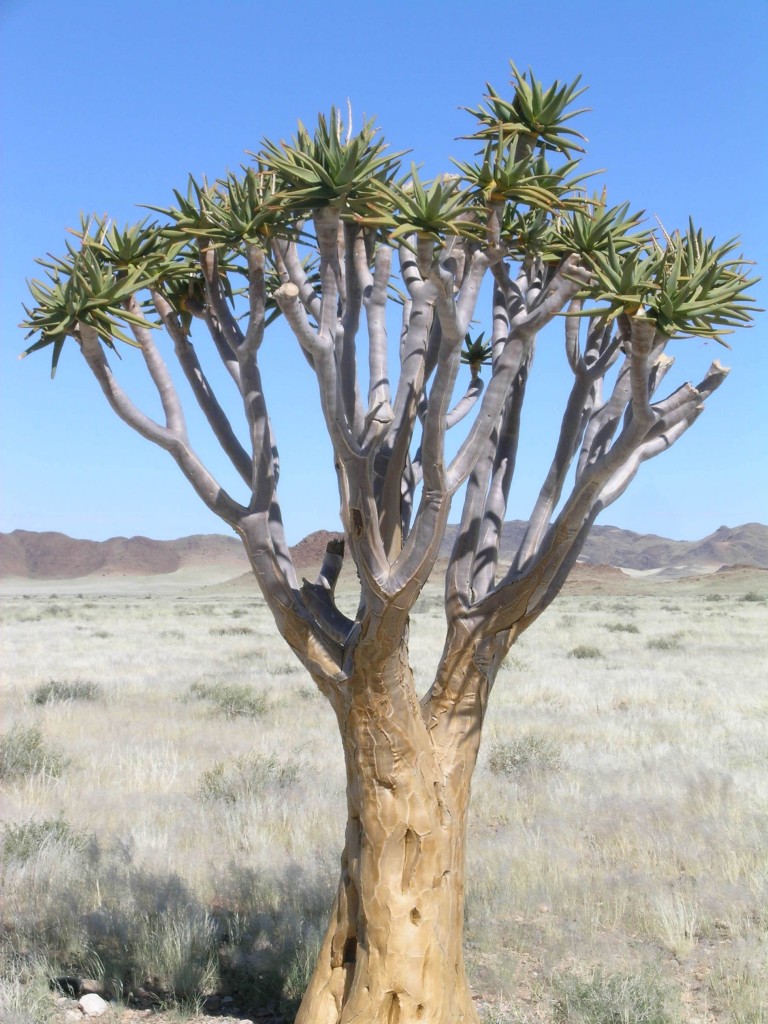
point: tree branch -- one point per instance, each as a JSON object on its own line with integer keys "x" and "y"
{"x": 513, "y": 355}
{"x": 257, "y": 297}
{"x": 288, "y": 253}
{"x": 504, "y": 461}
{"x": 448, "y": 362}
{"x": 201, "y": 389}
{"x": 225, "y": 318}
{"x": 356, "y": 276}
{"x": 380, "y": 414}
{"x": 206, "y": 487}
{"x": 392, "y": 455}
{"x": 158, "y": 371}
{"x": 528, "y": 588}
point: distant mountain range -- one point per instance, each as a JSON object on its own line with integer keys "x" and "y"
{"x": 608, "y": 545}
{"x": 24, "y": 554}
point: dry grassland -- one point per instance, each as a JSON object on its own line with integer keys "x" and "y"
{"x": 172, "y": 799}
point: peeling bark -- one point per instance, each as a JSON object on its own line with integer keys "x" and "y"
{"x": 393, "y": 948}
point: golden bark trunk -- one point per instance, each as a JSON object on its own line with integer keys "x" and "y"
{"x": 392, "y": 953}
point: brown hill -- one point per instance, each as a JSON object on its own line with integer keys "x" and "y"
{"x": 310, "y": 551}
{"x": 609, "y": 545}
{"x": 57, "y": 556}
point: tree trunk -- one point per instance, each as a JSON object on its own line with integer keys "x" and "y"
{"x": 393, "y": 953}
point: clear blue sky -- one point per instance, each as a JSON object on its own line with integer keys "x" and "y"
{"x": 108, "y": 105}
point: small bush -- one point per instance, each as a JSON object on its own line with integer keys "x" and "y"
{"x": 247, "y": 776}
{"x": 308, "y": 693}
{"x": 525, "y": 755}
{"x": 56, "y": 610}
{"x": 714, "y": 597}
{"x": 57, "y": 690}
{"x": 231, "y": 700}
{"x": 621, "y": 627}
{"x": 20, "y": 842}
{"x": 24, "y": 752}
{"x": 585, "y": 651}
{"x": 752, "y": 596}
{"x": 665, "y": 643}
{"x": 612, "y": 999}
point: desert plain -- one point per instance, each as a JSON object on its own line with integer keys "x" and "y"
{"x": 172, "y": 802}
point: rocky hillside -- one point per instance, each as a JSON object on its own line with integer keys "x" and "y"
{"x": 55, "y": 556}
{"x": 608, "y": 545}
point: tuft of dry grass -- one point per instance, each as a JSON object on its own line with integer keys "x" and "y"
{"x": 25, "y": 753}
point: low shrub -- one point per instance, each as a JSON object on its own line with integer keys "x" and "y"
{"x": 752, "y": 596}
{"x": 56, "y": 610}
{"x": 672, "y": 642}
{"x": 582, "y": 651}
{"x": 24, "y": 752}
{"x": 524, "y": 755}
{"x": 231, "y": 700}
{"x": 247, "y": 776}
{"x": 58, "y": 690}
{"x": 308, "y": 693}
{"x": 621, "y": 627}
{"x": 21, "y": 842}
{"x": 613, "y": 999}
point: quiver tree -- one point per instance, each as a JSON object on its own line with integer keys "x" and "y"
{"x": 326, "y": 236}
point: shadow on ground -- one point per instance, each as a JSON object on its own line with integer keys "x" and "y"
{"x": 151, "y": 941}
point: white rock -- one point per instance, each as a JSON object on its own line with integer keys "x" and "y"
{"x": 93, "y": 1005}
